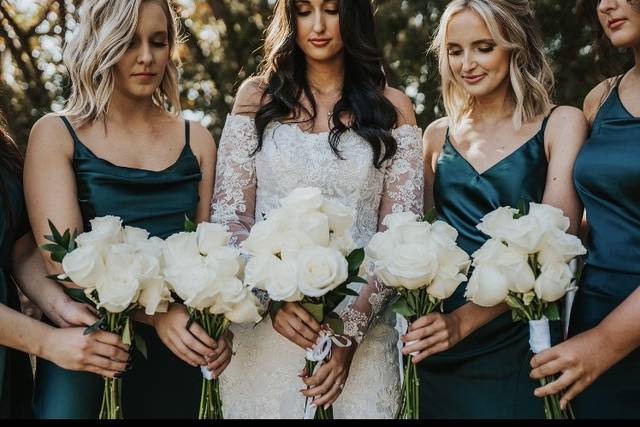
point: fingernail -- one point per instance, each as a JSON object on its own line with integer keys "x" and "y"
{"x": 326, "y": 407}
{"x": 313, "y": 405}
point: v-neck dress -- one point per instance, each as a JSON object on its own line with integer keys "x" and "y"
{"x": 163, "y": 386}
{"x": 486, "y": 375}
{"x": 607, "y": 178}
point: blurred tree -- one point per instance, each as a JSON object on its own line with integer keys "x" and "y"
{"x": 222, "y": 41}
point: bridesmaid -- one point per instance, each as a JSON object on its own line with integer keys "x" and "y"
{"x": 502, "y": 143}
{"x": 119, "y": 148}
{"x": 600, "y": 363}
{"x": 20, "y": 334}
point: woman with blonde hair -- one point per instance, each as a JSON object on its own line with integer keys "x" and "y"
{"x": 120, "y": 148}
{"x": 502, "y": 143}
{"x": 599, "y": 365}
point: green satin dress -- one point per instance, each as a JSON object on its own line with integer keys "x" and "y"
{"x": 163, "y": 386}
{"x": 16, "y": 380}
{"x": 607, "y": 178}
{"x": 486, "y": 375}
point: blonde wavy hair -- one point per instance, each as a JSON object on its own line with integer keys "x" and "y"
{"x": 105, "y": 29}
{"x": 513, "y": 27}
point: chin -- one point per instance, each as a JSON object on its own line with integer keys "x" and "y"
{"x": 621, "y": 40}
{"x": 322, "y": 55}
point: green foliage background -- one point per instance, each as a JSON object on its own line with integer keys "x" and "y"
{"x": 222, "y": 41}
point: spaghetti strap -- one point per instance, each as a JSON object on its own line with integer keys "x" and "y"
{"x": 187, "y": 132}
{"x": 70, "y": 128}
{"x": 546, "y": 119}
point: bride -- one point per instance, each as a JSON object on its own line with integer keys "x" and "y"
{"x": 320, "y": 114}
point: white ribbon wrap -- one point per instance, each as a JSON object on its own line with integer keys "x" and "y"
{"x": 320, "y": 352}
{"x": 206, "y": 373}
{"x": 539, "y": 336}
{"x": 403, "y": 328}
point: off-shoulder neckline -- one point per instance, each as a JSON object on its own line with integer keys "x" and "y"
{"x": 319, "y": 134}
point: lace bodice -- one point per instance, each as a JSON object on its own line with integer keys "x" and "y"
{"x": 249, "y": 187}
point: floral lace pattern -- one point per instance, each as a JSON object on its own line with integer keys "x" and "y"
{"x": 247, "y": 189}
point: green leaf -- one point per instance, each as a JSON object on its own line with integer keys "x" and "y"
{"x": 348, "y": 292}
{"x": 140, "y": 345}
{"x": 189, "y": 226}
{"x": 79, "y": 296}
{"x": 356, "y": 279}
{"x": 515, "y": 316}
{"x": 401, "y": 306}
{"x": 72, "y": 244}
{"x": 335, "y": 323}
{"x": 50, "y": 238}
{"x": 430, "y": 216}
{"x": 355, "y": 259}
{"x": 57, "y": 237}
{"x": 51, "y": 247}
{"x": 96, "y": 326}
{"x": 552, "y": 312}
{"x": 274, "y": 306}
{"x": 126, "y": 334}
{"x": 55, "y": 277}
{"x": 66, "y": 239}
{"x": 514, "y": 302}
{"x": 316, "y": 310}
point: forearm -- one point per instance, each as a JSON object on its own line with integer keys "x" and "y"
{"x": 471, "y": 317}
{"x": 21, "y": 332}
{"x": 620, "y": 329}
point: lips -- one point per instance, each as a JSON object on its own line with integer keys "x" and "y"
{"x": 319, "y": 42}
{"x": 472, "y": 79}
{"x": 614, "y": 24}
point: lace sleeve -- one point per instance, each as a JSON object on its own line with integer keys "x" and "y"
{"x": 234, "y": 196}
{"x": 403, "y": 191}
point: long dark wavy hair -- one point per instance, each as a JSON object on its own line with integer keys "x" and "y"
{"x": 11, "y": 162}
{"x": 611, "y": 61}
{"x": 284, "y": 76}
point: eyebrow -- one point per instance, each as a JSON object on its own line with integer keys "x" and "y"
{"x": 482, "y": 41}
{"x": 309, "y": 2}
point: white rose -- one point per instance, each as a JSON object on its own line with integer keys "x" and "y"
{"x": 341, "y": 217}
{"x": 155, "y": 296}
{"x": 412, "y": 232}
{"x": 224, "y": 260}
{"x": 109, "y": 225}
{"x": 264, "y": 238}
{"x": 511, "y": 263}
{"x": 446, "y": 282}
{"x": 195, "y": 284}
{"x": 493, "y": 223}
{"x": 454, "y": 256}
{"x": 411, "y": 266}
{"x": 303, "y": 199}
{"x": 134, "y": 236}
{"x": 343, "y": 243}
{"x": 84, "y": 266}
{"x": 292, "y": 241}
{"x": 381, "y": 246}
{"x": 321, "y": 270}
{"x": 122, "y": 257}
{"x": 393, "y": 220}
{"x": 442, "y": 229}
{"x": 211, "y": 236}
{"x": 315, "y": 225}
{"x": 487, "y": 287}
{"x": 524, "y": 234}
{"x": 259, "y": 270}
{"x": 559, "y": 246}
{"x": 249, "y": 310}
{"x": 230, "y": 292}
{"x": 148, "y": 267}
{"x": 553, "y": 282}
{"x": 181, "y": 249}
{"x": 117, "y": 290}
{"x": 549, "y": 216}
{"x": 283, "y": 283}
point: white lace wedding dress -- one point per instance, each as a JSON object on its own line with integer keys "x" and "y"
{"x": 262, "y": 379}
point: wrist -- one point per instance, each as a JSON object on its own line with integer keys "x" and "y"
{"x": 459, "y": 326}
{"x": 42, "y": 347}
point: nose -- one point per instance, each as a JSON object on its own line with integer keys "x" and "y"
{"x": 468, "y": 62}
{"x": 144, "y": 54}
{"x": 319, "y": 25}
{"x": 606, "y": 6}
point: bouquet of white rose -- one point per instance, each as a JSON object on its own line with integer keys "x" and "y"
{"x": 525, "y": 264}
{"x": 206, "y": 274}
{"x": 117, "y": 270}
{"x": 422, "y": 262}
{"x": 303, "y": 252}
